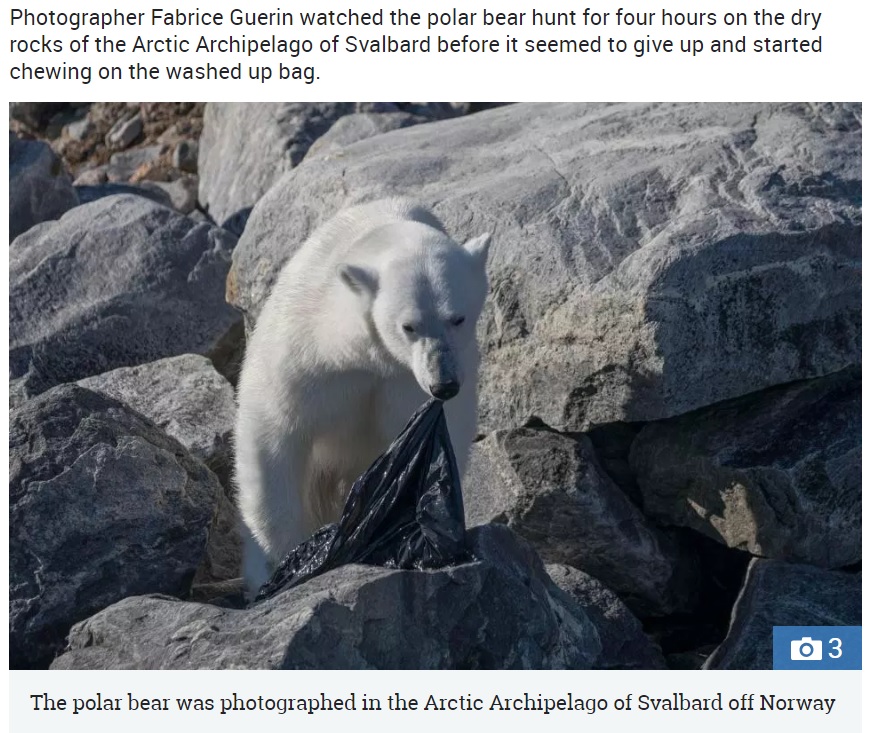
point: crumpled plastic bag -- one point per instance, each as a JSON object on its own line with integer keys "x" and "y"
{"x": 405, "y": 511}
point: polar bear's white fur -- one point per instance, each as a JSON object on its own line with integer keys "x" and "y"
{"x": 374, "y": 313}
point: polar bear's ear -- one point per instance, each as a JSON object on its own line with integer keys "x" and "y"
{"x": 360, "y": 280}
{"x": 478, "y": 247}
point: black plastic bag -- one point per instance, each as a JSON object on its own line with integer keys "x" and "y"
{"x": 405, "y": 511}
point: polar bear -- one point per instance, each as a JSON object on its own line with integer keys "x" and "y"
{"x": 376, "y": 312}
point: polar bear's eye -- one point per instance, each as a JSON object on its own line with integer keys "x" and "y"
{"x": 408, "y": 328}
{"x": 457, "y": 320}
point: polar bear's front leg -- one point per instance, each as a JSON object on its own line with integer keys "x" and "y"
{"x": 271, "y": 488}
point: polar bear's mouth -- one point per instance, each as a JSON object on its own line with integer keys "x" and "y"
{"x": 444, "y": 390}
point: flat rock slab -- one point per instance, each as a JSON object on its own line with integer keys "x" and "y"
{"x": 781, "y": 594}
{"x": 777, "y": 474}
{"x": 550, "y": 489}
{"x": 39, "y": 188}
{"x": 647, "y": 259}
{"x": 117, "y": 282}
{"x": 499, "y": 611}
{"x": 103, "y": 505}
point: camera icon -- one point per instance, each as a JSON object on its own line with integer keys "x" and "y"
{"x": 807, "y": 649}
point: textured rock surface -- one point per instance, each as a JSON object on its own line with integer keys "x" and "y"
{"x": 184, "y": 396}
{"x": 647, "y": 259}
{"x": 780, "y": 594}
{"x": 776, "y": 474}
{"x": 500, "y": 611}
{"x": 181, "y": 192}
{"x": 35, "y": 114}
{"x": 122, "y": 166}
{"x": 118, "y": 282}
{"x": 236, "y": 167}
{"x": 359, "y": 126}
{"x": 94, "y": 192}
{"x": 550, "y": 489}
{"x": 39, "y": 188}
{"x": 102, "y": 506}
{"x": 124, "y": 132}
{"x": 623, "y": 643}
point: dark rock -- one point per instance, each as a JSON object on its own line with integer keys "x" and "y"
{"x": 39, "y": 188}
{"x": 89, "y": 193}
{"x": 550, "y": 489}
{"x": 117, "y": 282}
{"x": 777, "y": 474}
{"x": 500, "y": 611}
{"x": 36, "y": 115}
{"x": 780, "y": 594}
{"x": 624, "y": 645}
{"x": 186, "y": 155}
{"x": 103, "y": 505}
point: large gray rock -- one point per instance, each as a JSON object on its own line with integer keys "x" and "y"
{"x": 550, "y": 489}
{"x": 39, "y": 188}
{"x": 245, "y": 147}
{"x": 776, "y": 474}
{"x": 360, "y": 126}
{"x": 780, "y": 594}
{"x": 102, "y": 505}
{"x": 647, "y": 259}
{"x": 94, "y": 192}
{"x": 498, "y": 611}
{"x": 117, "y": 282}
{"x": 624, "y": 645}
{"x": 186, "y": 397}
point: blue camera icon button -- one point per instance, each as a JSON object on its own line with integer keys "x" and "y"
{"x": 817, "y": 647}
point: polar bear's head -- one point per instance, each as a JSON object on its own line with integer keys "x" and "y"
{"x": 423, "y": 295}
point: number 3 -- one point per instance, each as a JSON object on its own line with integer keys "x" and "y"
{"x": 837, "y": 647}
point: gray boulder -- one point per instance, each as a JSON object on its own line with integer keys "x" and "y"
{"x": 39, "y": 188}
{"x": 186, "y": 397}
{"x": 780, "y": 594}
{"x": 245, "y": 147}
{"x": 647, "y": 259}
{"x": 124, "y": 132}
{"x": 117, "y": 282}
{"x": 93, "y": 192}
{"x": 359, "y": 126}
{"x": 550, "y": 489}
{"x": 498, "y": 611}
{"x": 181, "y": 192}
{"x": 102, "y": 505}
{"x": 122, "y": 166}
{"x": 624, "y": 645}
{"x": 776, "y": 474}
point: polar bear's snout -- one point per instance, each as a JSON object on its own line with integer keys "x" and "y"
{"x": 445, "y": 390}
{"x": 435, "y": 368}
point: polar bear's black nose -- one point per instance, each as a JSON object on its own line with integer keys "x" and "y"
{"x": 445, "y": 390}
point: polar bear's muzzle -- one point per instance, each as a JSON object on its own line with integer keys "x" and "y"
{"x": 435, "y": 370}
{"x": 444, "y": 390}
